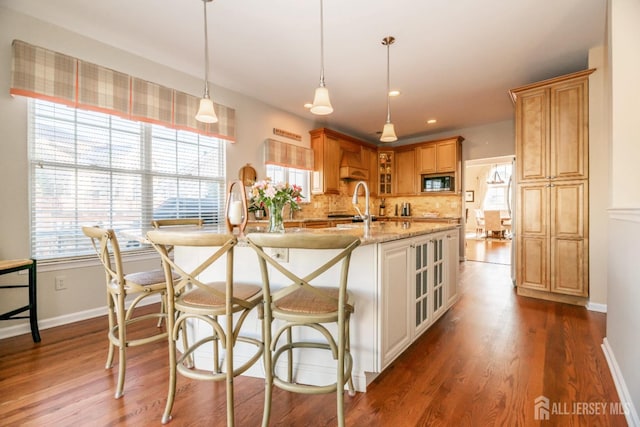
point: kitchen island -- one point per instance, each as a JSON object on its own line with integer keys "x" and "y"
{"x": 403, "y": 277}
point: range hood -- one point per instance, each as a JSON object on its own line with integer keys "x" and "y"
{"x": 351, "y": 166}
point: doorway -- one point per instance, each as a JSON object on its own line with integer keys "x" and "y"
{"x": 488, "y": 186}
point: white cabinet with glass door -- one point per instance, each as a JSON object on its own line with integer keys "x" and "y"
{"x": 396, "y": 333}
{"x": 416, "y": 283}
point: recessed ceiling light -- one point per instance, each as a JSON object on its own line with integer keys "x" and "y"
{"x": 308, "y": 105}
{"x": 394, "y": 92}
{"x": 431, "y": 121}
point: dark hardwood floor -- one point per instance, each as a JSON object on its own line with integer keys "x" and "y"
{"x": 482, "y": 364}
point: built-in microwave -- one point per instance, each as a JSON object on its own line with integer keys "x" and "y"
{"x": 437, "y": 183}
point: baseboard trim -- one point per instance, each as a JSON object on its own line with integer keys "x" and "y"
{"x": 631, "y": 414}
{"x": 595, "y": 306}
{"x": 23, "y": 328}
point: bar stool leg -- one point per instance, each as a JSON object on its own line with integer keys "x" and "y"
{"x": 33, "y": 307}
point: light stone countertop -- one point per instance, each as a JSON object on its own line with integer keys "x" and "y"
{"x": 380, "y": 232}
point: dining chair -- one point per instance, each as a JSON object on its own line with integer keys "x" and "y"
{"x": 493, "y": 223}
{"x": 119, "y": 286}
{"x": 303, "y": 304}
{"x": 479, "y": 222}
{"x": 15, "y": 266}
{"x": 191, "y": 299}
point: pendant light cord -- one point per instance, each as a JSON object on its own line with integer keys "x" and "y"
{"x": 206, "y": 52}
{"x": 321, "y": 45}
{"x": 388, "y": 86}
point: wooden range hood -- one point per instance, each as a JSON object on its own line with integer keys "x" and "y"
{"x": 352, "y": 167}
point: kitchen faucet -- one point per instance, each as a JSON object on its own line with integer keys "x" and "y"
{"x": 367, "y": 216}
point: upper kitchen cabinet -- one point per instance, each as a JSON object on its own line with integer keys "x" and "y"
{"x": 385, "y": 173}
{"x": 426, "y": 156}
{"x": 439, "y": 156}
{"x": 406, "y": 177}
{"x": 326, "y": 158}
{"x": 552, "y": 128}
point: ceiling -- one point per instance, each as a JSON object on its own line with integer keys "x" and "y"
{"x": 453, "y": 60}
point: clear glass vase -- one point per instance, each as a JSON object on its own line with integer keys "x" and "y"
{"x": 276, "y": 223}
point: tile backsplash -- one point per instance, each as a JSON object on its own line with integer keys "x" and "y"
{"x": 322, "y": 205}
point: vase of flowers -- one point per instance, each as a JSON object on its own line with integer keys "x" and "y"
{"x": 274, "y": 197}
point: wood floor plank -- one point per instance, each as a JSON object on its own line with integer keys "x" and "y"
{"x": 483, "y": 363}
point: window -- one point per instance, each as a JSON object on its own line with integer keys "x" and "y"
{"x": 292, "y": 176}
{"x": 91, "y": 168}
{"x": 497, "y": 197}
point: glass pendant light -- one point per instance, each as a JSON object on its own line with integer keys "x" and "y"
{"x": 321, "y": 103}
{"x": 388, "y": 132}
{"x": 206, "y": 113}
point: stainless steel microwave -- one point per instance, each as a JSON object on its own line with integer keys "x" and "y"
{"x": 437, "y": 183}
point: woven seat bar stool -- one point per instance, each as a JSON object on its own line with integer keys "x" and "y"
{"x": 120, "y": 285}
{"x": 15, "y": 265}
{"x": 222, "y": 305}
{"x": 174, "y": 222}
{"x": 301, "y": 304}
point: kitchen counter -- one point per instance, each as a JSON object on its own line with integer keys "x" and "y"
{"x": 375, "y": 287}
{"x": 332, "y": 221}
{"x": 380, "y": 232}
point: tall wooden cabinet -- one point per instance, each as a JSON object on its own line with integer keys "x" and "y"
{"x": 552, "y": 230}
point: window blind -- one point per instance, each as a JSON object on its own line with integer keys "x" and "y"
{"x": 45, "y": 74}
{"x": 92, "y": 168}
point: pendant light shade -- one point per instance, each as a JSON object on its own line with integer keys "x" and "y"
{"x": 206, "y": 113}
{"x": 321, "y": 103}
{"x": 388, "y": 132}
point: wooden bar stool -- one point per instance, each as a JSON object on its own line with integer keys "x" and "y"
{"x": 301, "y": 304}
{"x": 14, "y": 265}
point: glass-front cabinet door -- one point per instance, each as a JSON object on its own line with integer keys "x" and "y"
{"x": 385, "y": 172}
{"x": 429, "y": 281}
{"x": 438, "y": 272}
{"x": 421, "y": 294}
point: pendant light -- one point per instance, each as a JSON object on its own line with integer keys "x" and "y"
{"x": 206, "y": 113}
{"x": 321, "y": 103}
{"x": 388, "y": 132}
{"x": 496, "y": 178}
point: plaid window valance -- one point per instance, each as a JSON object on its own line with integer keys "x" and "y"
{"x": 45, "y": 74}
{"x": 288, "y": 155}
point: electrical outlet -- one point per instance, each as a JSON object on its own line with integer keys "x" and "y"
{"x": 281, "y": 254}
{"x": 59, "y": 283}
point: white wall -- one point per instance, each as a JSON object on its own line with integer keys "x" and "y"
{"x": 623, "y": 297}
{"x": 255, "y": 123}
{"x": 599, "y": 167}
